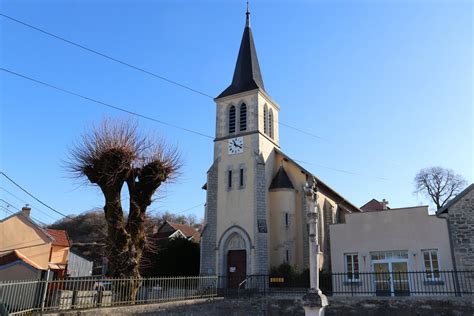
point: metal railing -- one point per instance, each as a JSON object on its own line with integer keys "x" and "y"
{"x": 19, "y": 297}
{"x": 416, "y": 283}
{"x": 403, "y": 283}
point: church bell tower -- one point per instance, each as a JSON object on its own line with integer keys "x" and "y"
{"x": 235, "y": 238}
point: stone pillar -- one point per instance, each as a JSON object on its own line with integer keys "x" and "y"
{"x": 261, "y": 231}
{"x": 208, "y": 238}
{"x": 314, "y": 302}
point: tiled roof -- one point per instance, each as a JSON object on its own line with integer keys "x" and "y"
{"x": 281, "y": 180}
{"x": 15, "y": 255}
{"x": 187, "y": 230}
{"x": 60, "y": 237}
{"x": 373, "y": 205}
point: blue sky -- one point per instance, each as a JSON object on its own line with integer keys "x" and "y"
{"x": 386, "y": 84}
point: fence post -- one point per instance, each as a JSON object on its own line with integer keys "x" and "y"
{"x": 45, "y": 290}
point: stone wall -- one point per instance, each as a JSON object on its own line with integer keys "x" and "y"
{"x": 208, "y": 238}
{"x": 461, "y": 221}
{"x": 261, "y": 225}
{"x": 292, "y": 306}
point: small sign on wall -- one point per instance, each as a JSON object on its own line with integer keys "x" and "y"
{"x": 232, "y": 269}
{"x": 262, "y": 226}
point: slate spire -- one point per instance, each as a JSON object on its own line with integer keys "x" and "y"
{"x": 247, "y": 74}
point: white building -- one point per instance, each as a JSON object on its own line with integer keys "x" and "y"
{"x": 388, "y": 242}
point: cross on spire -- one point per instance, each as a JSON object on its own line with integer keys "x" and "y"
{"x": 247, "y": 74}
{"x": 247, "y": 21}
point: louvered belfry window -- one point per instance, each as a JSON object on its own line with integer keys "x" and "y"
{"x": 243, "y": 117}
{"x": 265, "y": 121}
{"x": 232, "y": 119}
{"x": 270, "y": 124}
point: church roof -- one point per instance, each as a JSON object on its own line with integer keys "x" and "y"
{"x": 281, "y": 180}
{"x": 321, "y": 184}
{"x": 247, "y": 75}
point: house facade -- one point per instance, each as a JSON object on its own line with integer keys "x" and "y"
{"x": 256, "y": 206}
{"x": 387, "y": 242}
{"x": 27, "y": 250}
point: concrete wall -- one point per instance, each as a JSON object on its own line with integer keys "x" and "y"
{"x": 410, "y": 229}
{"x": 59, "y": 254}
{"x": 18, "y": 234}
{"x": 19, "y": 271}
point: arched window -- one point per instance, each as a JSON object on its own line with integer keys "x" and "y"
{"x": 232, "y": 119}
{"x": 243, "y": 117}
{"x": 270, "y": 124}
{"x": 265, "y": 121}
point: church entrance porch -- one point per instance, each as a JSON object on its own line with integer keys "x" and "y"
{"x": 236, "y": 267}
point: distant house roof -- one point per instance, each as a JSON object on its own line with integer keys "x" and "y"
{"x": 373, "y": 205}
{"x": 281, "y": 180}
{"x": 60, "y": 237}
{"x": 451, "y": 202}
{"x": 167, "y": 229}
{"x": 15, "y": 256}
{"x": 351, "y": 207}
{"x": 187, "y": 230}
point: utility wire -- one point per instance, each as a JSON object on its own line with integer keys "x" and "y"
{"x": 155, "y": 75}
{"x": 107, "y": 104}
{"x": 31, "y": 195}
{"x": 191, "y": 208}
{"x": 21, "y": 200}
{"x": 10, "y": 205}
{"x": 153, "y": 119}
{"x": 105, "y": 56}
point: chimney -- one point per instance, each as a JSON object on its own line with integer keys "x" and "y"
{"x": 25, "y": 210}
{"x": 384, "y": 204}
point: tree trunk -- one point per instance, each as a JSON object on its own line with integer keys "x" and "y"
{"x": 122, "y": 258}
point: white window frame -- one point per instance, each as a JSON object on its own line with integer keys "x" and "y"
{"x": 431, "y": 271}
{"x": 354, "y": 273}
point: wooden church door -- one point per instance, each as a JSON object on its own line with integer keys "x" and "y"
{"x": 236, "y": 267}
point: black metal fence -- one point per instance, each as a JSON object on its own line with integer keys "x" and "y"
{"x": 413, "y": 283}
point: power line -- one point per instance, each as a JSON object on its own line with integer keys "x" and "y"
{"x": 21, "y": 200}
{"x": 155, "y": 75}
{"x": 107, "y": 104}
{"x": 151, "y": 118}
{"x": 31, "y": 195}
{"x": 191, "y": 208}
{"x": 106, "y": 56}
{"x": 9, "y": 204}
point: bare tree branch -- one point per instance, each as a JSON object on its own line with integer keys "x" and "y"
{"x": 112, "y": 155}
{"x": 439, "y": 184}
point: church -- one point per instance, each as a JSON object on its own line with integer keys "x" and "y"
{"x": 256, "y": 206}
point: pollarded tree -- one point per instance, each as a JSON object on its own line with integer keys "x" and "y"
{"x": 439, "y": 184}
{"x": 112, "y": 155}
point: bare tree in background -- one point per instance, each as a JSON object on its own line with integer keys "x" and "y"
{"x": 439, "y": 184}
{"x": 112, "y": 155}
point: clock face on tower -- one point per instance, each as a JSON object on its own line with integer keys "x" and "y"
{"x": 236, "y": 145}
